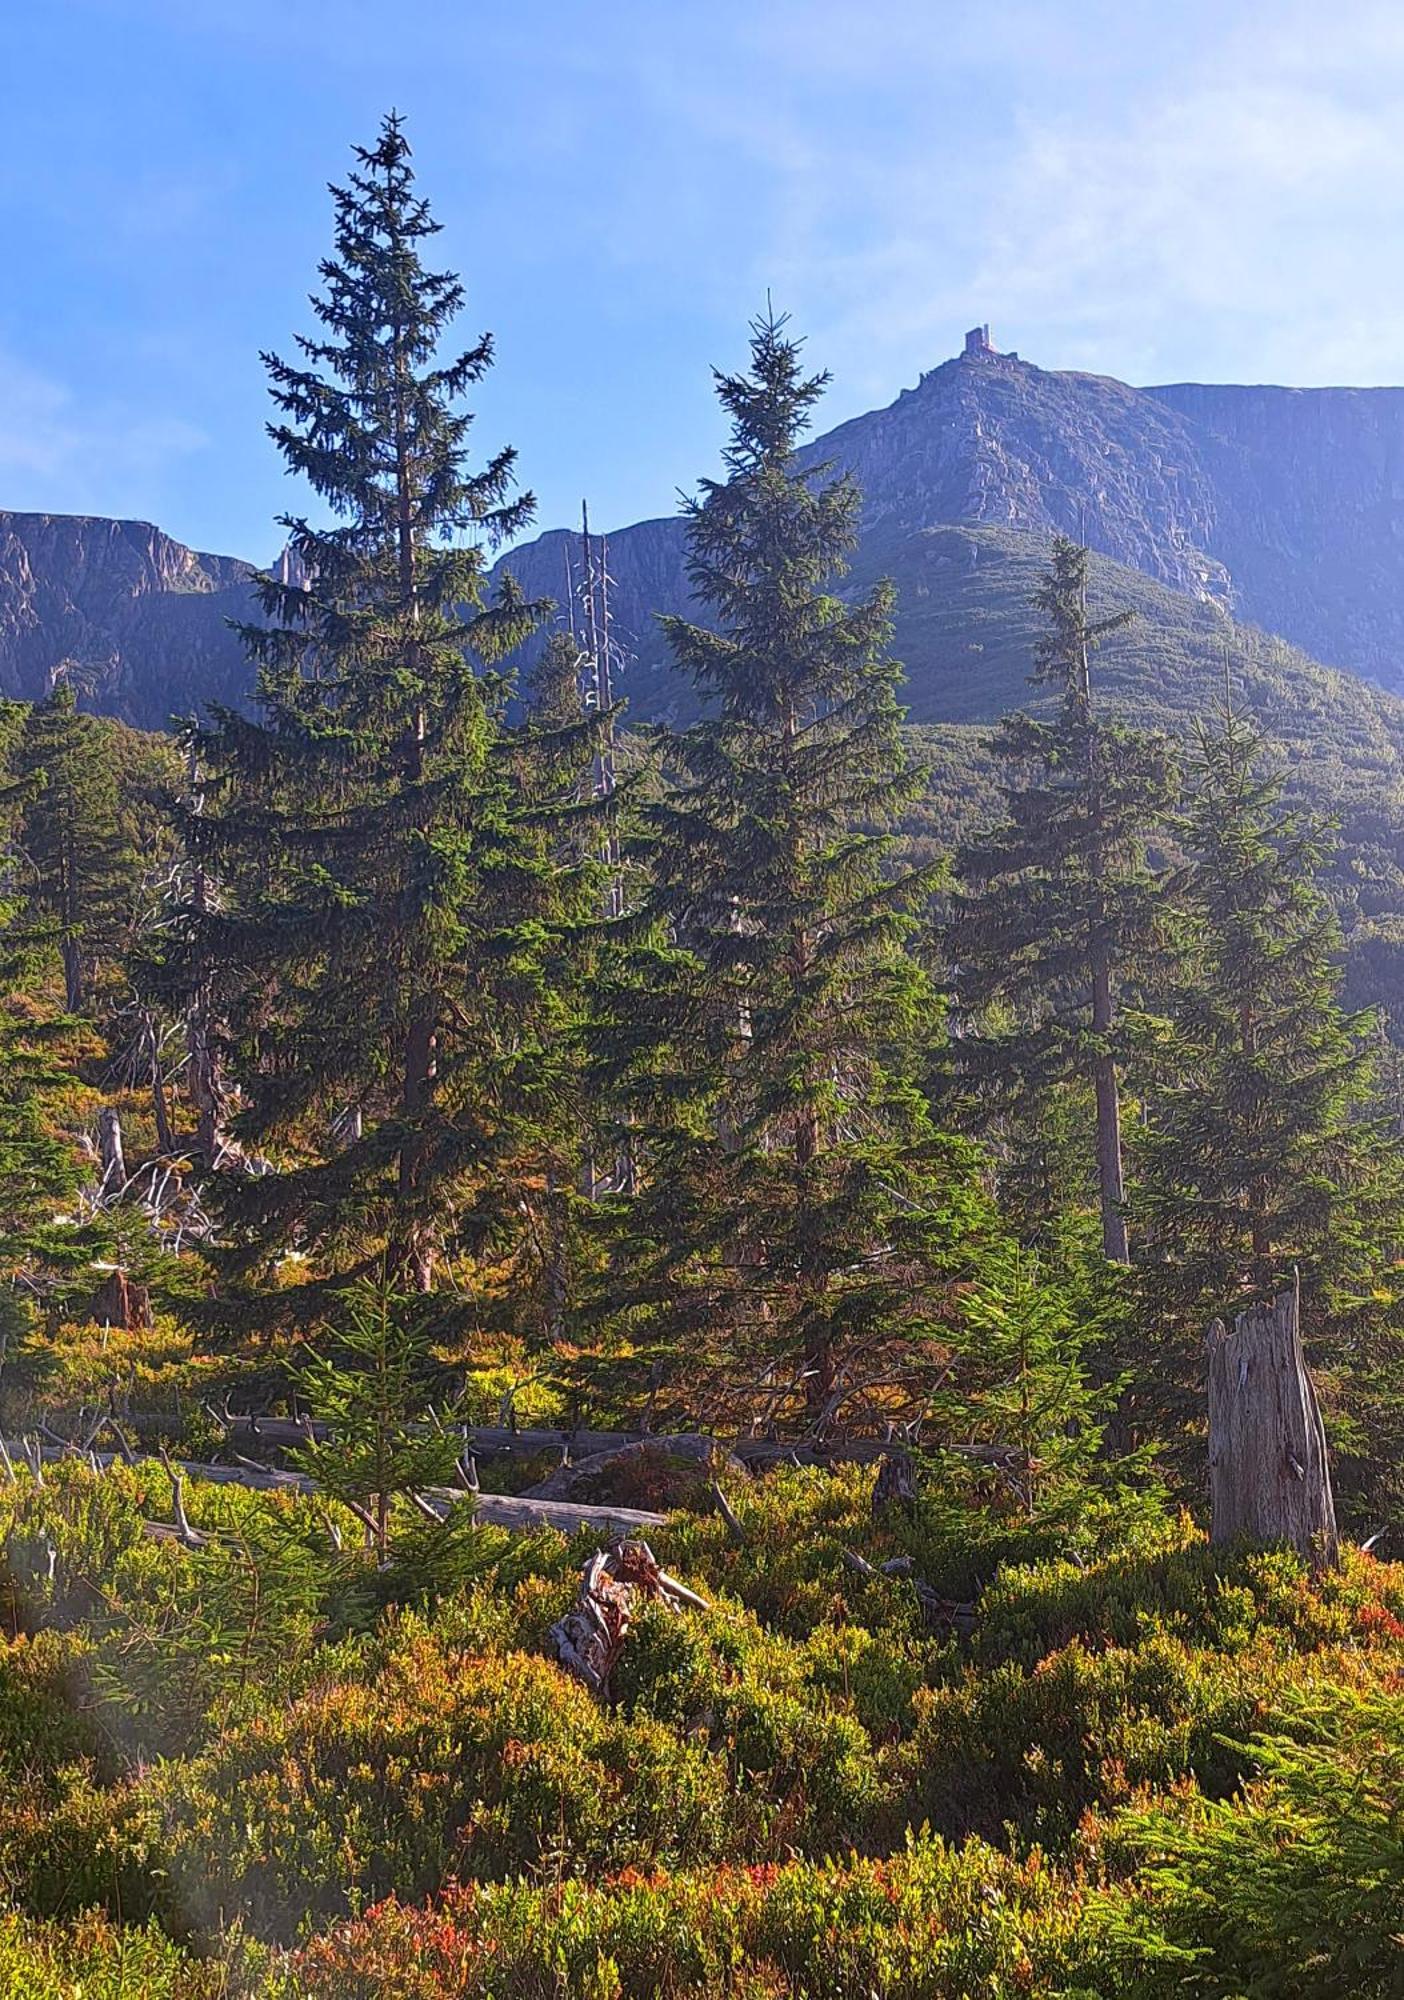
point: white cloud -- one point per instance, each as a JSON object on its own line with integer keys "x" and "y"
{"x": 1148, "y": 190}
{"x": 60, "y": 452}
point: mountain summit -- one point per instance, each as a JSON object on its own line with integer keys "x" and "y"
{"x": 1282, "y": 507}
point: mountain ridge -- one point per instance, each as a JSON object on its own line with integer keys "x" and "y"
{"x": 136, "y": 616}
{"x": 1282, "y": 507}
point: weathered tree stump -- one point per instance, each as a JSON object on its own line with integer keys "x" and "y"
{"x": 114, "y": 1165}
{"x": 895, "y": 1485}
{"x": 590, "y": 1638}
{"x": 1269, "y": 1478}
{"x": 118, "y": 1302}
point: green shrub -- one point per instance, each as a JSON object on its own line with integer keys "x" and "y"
{"x": 929, "y": 1924}
{"x": 1172, "y": 1580}
{"x": 1032, "y": 1749}
{"x": 47, "y": 1715}
{"x": 91, "y": 1959}
{"x": 1295, "y": 1889}
{"x": 444, "y": 1764}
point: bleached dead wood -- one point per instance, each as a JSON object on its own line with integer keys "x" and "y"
{"x": 734, "y": 1526}
{"x": 613, "y": 1583}
{"x": 497, "y": 1510}
{"x": 1269, "y": 1476}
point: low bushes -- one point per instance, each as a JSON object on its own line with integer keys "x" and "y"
{"x": 931, "y": 1922}
{"x": 93, "y": 1959}
{"x": 1154, "y": 1770}
{"x": 443, "y": 1765}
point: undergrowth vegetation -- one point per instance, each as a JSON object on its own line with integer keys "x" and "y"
{"x": 1147, "y": 1767}
{"x": 401, "y": 1100}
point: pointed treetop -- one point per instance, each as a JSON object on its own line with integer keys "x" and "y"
{"x": 770, "y": 406}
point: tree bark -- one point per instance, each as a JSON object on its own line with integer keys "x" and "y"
{"x": 72, "y": 954}
{"x": 1104, "y": 1080}
{"x": 118, "y": 1302}
{"x": 165, "y": 1137}
{"x": 114, "y": 1165}
{"x": 1269, "y": 1476}
{"x": 413, "y": 1254}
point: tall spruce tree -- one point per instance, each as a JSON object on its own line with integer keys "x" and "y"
{"x": 1257, "y": 1158}
{"x": 372, "y": 932}
{"x": 797, "y": 1220}
{"x": 79, "y": 871}
{"x": 1056, "y": 903}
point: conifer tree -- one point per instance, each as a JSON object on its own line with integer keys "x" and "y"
{"x": 553, "y": 685}
{"x": 44, "y": 1245}
{"x": 78, "y": 870}
{"x": 1258, "y": 1158}
{"x": 1057, "y": 903}
{"x": 796, "y": 1211}
{"x": 370, "y": 1380}
{"x": 375, "y": 898}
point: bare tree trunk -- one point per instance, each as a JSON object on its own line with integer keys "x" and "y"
{"x": 114, "y": 1165}
{"x": 413, "y": 1254}
{"x": 1269, "y": 1476}
{"x": 1104, "y": 1079}
{"x": 555, "y": 1259}
{"x": 72, "y": 955}
{"x": 205, "y": 1089}
{"x": 165, "y": 1137}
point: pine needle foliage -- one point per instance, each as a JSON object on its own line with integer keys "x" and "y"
{"x": 77, "y": 869}
{"x": 1057, "y": 904}
{"x": 796, "y": 1210}
{"x": 369, "y": 1377}
{"x": 379, "y": 895}
{"x": 1260, "y": 1156}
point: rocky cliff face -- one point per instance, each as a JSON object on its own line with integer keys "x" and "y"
{"x": 141, "y": 619}
{"x": 1308, "y": 516}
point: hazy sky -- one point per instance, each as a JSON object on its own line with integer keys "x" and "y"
{"x": 1158, "y": 191}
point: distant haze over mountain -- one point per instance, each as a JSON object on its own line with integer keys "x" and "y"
{"x": 1283, "y": 507}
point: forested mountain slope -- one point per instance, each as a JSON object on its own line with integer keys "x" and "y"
{"x": 1284, "y": 506}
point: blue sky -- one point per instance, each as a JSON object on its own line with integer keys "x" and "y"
{"x": 1158, "y": 191}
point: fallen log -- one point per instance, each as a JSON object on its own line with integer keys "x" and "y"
{"x": 500, "y": 1441}
{"x": 497, "y": 1510}
{"x": 665, "y": 1457}
{"x": 613, "y": 1583}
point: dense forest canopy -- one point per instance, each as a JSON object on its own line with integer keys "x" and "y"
{"x": 446, "y": 1134}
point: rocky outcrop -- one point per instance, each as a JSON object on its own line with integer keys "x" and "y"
{"x": 989, "y": 438}
{"x": 1283, "y": 506}
{"x": 138, "y": 619}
